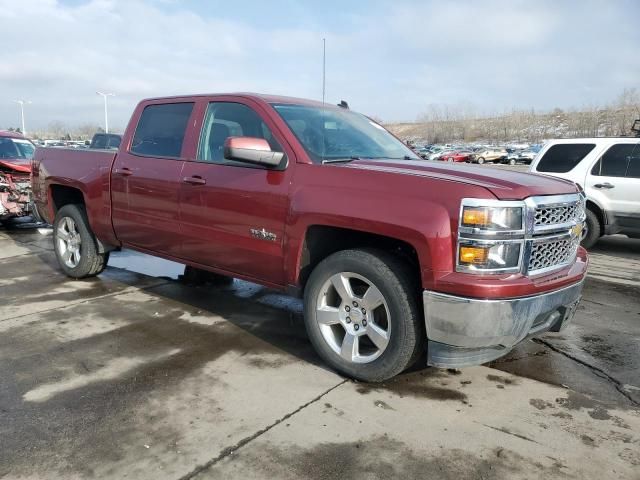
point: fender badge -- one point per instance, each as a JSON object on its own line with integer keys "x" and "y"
{"x": 263, "y": 234}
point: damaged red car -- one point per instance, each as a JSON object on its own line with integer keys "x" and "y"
{"x": 16, "y": 153}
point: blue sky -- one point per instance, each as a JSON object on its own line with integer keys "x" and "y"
{"x": 390, "y": 59}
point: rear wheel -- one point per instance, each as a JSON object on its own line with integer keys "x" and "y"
{"x": 362, "y": 316}
{"x": 75, "y": 245}
{"x": 592, "y": 229}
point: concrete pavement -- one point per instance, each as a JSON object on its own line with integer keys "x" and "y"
{"x": 136, "y": 375}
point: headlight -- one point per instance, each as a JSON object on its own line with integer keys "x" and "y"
{"x": 490, "y": 236}
{"x": 498, "y": 219}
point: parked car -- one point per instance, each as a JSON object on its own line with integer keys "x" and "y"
{"x": 457, "y": 156}
{"x": 608, "y": 169}
{"x": 392, "y": 254}
{"x": 106, "y": 141}
{"x": 16, "y": 153}
{"x": 489, "y": 155}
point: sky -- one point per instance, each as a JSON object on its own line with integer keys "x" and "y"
{"x": 389, "y": 59}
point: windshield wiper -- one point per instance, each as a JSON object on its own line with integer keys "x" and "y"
{"x": 340, "y": 160}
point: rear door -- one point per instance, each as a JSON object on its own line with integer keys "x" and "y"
{"x": 614, "y": 183}
{"x": 145, "y": 180}
{"x": 233, "y": 214}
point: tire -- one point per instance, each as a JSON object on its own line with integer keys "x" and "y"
{"x": 449, "y": 159}
{"x": 71, "y": 221}
{"x": 512, "y": 161}
{"x": 404, "y": 335}
{"x": 593, "y": 229}
{"x": 480, "y": 160}
{"x": 197, "y": 276}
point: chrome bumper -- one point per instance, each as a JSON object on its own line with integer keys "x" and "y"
{"x": 466, "y": 331}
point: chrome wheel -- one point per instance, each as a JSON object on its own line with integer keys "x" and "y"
{"x": 353, "y": 317}
{"x": 69, "y": 242}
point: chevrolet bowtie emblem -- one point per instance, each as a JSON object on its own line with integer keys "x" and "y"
{"x": 576, "y": 230}
{"x": 263, "y": 234}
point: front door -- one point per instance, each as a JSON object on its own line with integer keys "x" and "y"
{"x": 145, "y": 181}
{"x": 614, "y": 182}
{"x": 233, "y": 214}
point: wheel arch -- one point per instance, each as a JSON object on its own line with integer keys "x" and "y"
{"x": 320, "y": 241}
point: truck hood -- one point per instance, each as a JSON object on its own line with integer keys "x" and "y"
{"x": 16, "y": 165}
{"x": 504, "y": 184}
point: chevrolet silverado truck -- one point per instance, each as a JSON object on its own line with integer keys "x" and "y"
{"x": 391, "y": 254}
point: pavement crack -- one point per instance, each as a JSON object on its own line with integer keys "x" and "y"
{"x": 229, "y": 450}
{"x": 618, "y": 385}
{"x": 508, "y": 432}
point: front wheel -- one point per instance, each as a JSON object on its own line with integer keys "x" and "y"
{"x": 480, "y": 160}
{"x": 362, "y": 315}
{"x": 75, "y": 244}
{"x": 512, "y": 161}
{"x": 592, "y": 229}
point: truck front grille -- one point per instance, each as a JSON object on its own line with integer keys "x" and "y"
{"x": 558, "y": 214}
{"x": 549, "y": 254}
{"x": 554, "y": 240}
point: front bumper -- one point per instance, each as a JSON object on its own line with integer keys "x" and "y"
{"x": 465, "y": 331}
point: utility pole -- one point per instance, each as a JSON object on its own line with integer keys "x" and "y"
{"x": 106, "y": 113}
{"x": 22, "y": 103}
{"x": 324, "y": 62}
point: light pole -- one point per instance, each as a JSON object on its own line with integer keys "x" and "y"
{"x": 106, "y": 114}
{"x": 21, "y": 103}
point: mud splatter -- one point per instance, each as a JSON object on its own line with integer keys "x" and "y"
{"x": 540, "y": 404}
{"x": 501, "y": 380}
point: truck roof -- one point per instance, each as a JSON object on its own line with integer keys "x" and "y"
{"x": 258, "y": 96}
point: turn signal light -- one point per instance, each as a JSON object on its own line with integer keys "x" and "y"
{"x": 475, "y": 217}
{"x": 473, "y": 255}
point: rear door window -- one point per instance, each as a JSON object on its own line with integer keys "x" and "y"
{"x": 161, "y": 129}
{"x": 619, "y": 161}
{"x": 564, "y": 157}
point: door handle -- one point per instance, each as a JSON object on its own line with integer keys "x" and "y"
{"x": 124, "y": 171}
{"x": 606, "y": 185}
{"x": 194, "y": 180}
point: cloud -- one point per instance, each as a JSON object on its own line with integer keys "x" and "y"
{"x": 389, "y": 59}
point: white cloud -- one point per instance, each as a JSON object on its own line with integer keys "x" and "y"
{"x": 386, "y": 59}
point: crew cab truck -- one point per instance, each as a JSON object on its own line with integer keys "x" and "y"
{"x": 392, "y": 255}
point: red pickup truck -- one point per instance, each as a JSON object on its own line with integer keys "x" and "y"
{"x": 392, "y": 254}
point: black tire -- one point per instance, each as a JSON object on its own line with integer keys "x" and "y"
{"x": 480, "y": 160}
{"x": 197, "y": 276}
{"x": 92, "y": 262}
{"x": 395, "y": 281}
{"x": 594, "y": 229}
{"x": 512, "y": 161}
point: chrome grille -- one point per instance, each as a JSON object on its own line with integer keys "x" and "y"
{"x": 558, "y": 214}
{"x": 546, "y": 255}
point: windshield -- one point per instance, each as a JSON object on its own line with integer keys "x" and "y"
{"x": 16, "y": 148}
{"x": 332, "y": 134}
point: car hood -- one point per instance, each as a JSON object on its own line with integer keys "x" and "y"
{"x": 17, "y": 165}
{"x": 502, "y": 183}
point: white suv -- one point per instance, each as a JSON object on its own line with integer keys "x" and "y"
{"x": 608, "y": 169}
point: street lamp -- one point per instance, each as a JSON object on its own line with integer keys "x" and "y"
{"x": 22, "y": 103}
{"x": 106, "y": 115}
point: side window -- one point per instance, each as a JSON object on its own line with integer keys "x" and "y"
{"x": 227, "y": 119}
{"x": 615, "y": 161}
{"x": 99, "y": 141}
{"x": 563, "y": 157}
{"x": 160, "y": 131}
{"x": 633, "y": 170}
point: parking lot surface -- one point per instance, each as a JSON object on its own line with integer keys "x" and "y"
{"x": 136, "y": 375}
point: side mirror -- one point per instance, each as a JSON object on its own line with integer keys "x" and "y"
{"x": 251, "y": 150}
